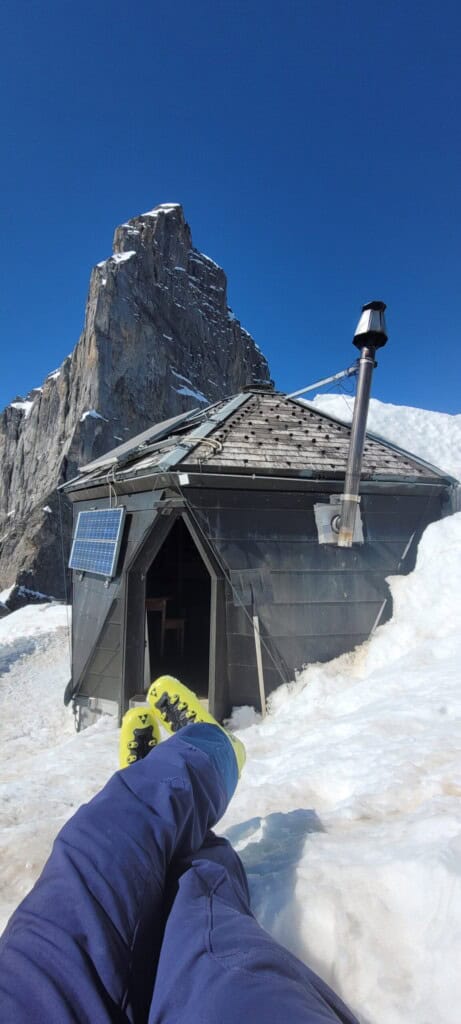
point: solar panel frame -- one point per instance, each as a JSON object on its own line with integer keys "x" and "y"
{"x": 96, "y": 542}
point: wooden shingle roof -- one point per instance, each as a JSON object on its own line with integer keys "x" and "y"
{"x": 272, "y": 432}
{"x": 263, "y": 432}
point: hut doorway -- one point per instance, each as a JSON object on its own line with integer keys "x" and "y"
{"x": 177, "y": 623}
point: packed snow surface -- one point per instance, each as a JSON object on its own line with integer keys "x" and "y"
{"x": 347, "y": 816}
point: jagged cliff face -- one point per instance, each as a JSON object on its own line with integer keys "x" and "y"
{"x": 159, "y": 338}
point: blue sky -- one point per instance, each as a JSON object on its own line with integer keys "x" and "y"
{"x": 314, "y": 145}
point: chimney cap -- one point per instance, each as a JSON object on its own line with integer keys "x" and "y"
{"x": 376, "y": 305}
{"x": 371, "y": 331}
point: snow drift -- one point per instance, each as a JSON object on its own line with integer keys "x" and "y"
{"x": 355, "y": 856}
{"x": 434, "y": 436}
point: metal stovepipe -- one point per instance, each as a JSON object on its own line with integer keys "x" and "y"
{"x": 350, "y": 499}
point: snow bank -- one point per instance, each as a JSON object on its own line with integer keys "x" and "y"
{"x": 50, "y": 770}
{"x": 355, "y": 856}
{"x": 32, "y": 620}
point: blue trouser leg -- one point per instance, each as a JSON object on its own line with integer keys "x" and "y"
{"x": 218, "y": 966}
{"x": 83, "y": 945}
{"x": 139, "y": 898}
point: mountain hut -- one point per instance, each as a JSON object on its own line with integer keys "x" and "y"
{"x": 209, "y": 551}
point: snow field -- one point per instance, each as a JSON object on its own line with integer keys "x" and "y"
{"x": 46, "y": 771}
{"x": 347, "y": 816}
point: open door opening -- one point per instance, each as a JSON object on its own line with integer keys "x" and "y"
{"x": 178, "y": 597}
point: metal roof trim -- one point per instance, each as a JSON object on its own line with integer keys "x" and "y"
{"x": 153, "y": 481}
{"x": 182, "y": 450}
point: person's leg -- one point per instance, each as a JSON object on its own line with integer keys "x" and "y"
{"x": 218, "y": 966}
{"x": 84, "y": 944}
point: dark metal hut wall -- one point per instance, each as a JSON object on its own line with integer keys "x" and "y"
{"x": 314, "y": 601}
{"x": 99, "y": 608}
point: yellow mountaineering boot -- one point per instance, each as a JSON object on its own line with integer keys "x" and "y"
{"x": 139, "y": 734}
{"x": 176, "y": 706}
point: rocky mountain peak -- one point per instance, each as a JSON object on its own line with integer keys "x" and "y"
{"x": 158, "y": 338}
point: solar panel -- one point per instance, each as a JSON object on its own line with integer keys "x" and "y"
{"x": 97, "y": 540}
